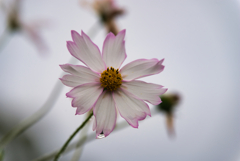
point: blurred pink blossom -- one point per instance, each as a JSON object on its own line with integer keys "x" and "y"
{"x": 16, "y": 24}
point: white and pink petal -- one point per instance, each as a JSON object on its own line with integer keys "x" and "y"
{"x": 85, "y": 96}
{"x": 79, "y": 70}
{"x": 141, "y": 68}
{"x": 146, "y": 91}
{"x": 105, "y": 114}
{"x": 80, "y": 75}
{"x": 114, "y": 50}
{"x": 130, "y": 108}
{"x": 86, "y": 51}
{"x": 72, "y": 80}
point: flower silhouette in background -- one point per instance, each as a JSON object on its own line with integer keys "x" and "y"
{"x": 107, "y": 11}
{"x": 168, "y": 107}
{"x": 104, "y": 87}
{"x": 16, "y": 24}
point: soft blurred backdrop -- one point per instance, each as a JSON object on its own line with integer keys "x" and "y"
{"x": 200, "y": 41}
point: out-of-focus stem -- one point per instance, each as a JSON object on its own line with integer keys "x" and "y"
{"x": 86, "y": 139}
{"x": 72, "y": 136}
{"x": 25, "y": 124}
{"x": 1, "y": 155}
{"x": 4, "y": 38}
{"x": 169, "y": 123}
{"x": 45, "y": 108}
{"x": 79, "y": 149}
{"x": 112, "y": 27}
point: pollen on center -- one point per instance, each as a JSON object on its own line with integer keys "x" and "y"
{"x": 111, "y": 79}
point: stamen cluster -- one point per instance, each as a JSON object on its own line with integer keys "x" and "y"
{"x": 111, "y": 79}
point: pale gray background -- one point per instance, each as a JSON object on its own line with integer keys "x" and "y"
{"x": 200, "y": 41}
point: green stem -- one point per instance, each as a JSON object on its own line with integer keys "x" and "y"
{"x": 79, "y": 149}
{"x": 1, "y": 155}
{"x": 71, "y": 137}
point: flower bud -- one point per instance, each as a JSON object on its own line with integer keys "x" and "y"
{"x": 168, "y": 106}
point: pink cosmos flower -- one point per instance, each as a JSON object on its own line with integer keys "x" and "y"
{"x": 104, "y": 87}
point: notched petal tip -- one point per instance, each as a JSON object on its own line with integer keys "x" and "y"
{"x": 162, "y": 60}
{"x": 63, "y": 66}
{"x": 150, "y": 115}
{"x": 77, "y": 113}
{"x": 70, "y": 44}
{"x": 110, "y": 35}
{"x": 84, "y": 35}
{"x": 165, "y": 90}
{"x": 75, "y": 35}
{"x": 82, "y": 32}
{"x": 136, "y": 127}
{"x": 122, "y": 32}
{"x": 73, "y": 32}
{"x": 68, "y": 95}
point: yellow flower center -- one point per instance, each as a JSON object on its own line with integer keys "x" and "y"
{"x": 111, "y": 79}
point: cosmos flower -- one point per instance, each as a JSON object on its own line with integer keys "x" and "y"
{"x": 104, "y": 87}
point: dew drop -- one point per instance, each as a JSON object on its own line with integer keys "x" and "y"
{"x": 101, "y": 136}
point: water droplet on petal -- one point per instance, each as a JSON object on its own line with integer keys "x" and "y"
{"x": 101, "y": 136}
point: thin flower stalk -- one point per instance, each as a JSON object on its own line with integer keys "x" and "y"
{"x": 4, "y": 38}
{"x": 79, "y": 149}
{"x": 25, "y": 124}
{"x": 72, "y": 136}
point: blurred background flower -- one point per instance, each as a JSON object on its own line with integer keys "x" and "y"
{"x": 168, "y": 108}
{"x": 200, "y": 43}
{"x": 107, "y": 10}
{"x": 14, "y": 23}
